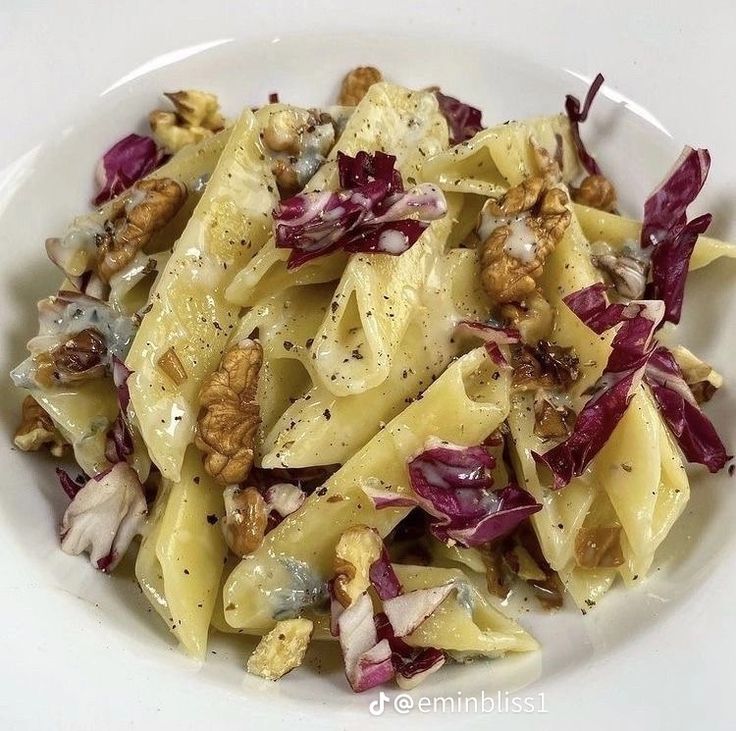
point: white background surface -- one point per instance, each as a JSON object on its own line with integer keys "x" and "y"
{"x": 70, "y": 657}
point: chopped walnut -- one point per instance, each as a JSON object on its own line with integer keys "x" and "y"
{"x": 599, "y": 547}
{"x": 549, "y": 166}
{"x": 356, "y": 83}
{"x": 282, "y": 649}
{"x": 245, "y": 521}
{"x": 595, "y": 191}
{"x": 37, "y": 430}
{"x": 196, "y": 117}
{"x": 150, "y": 205}
{"x": 497, "y": 575}
{"x": 82, "y": 357}
{"x": 702, "y": 379}
{"x": 518, "y": 232}
{"x": 299, "y": 141}
{"x": 170, "y": 364}
{"x": 552, "y": 421}
{"x": 627, "y": 273}
{"x": 543, "y": 366}
{"x": 519, "y": 555}
{"x": 229, "y": 414}
{"x": 357, "y": 550}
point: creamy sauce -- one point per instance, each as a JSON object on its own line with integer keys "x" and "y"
{"x": 521, "y": 243}
{"x": 77, "y": 249}
{"x": 392, "y": 241}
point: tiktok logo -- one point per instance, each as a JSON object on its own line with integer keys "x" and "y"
{"x": 377, "y": 707}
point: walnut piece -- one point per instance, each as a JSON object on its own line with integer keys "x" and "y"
{"x": 196, "y": 116}
{"x": 298, "y": 141}
{"x": 282, "y": 649}
{"x": 37, "y": 430}
{"x": 595, "y": 191}
{"x": 599, "y": 547}
{"x": 533, "y": 318}
{"x": 549, "y": 166}
{"x": 627, "y": 273}
{"x": 552, "y": 421}
{"x": 229, "y": 414}
{"x": 170, "y": 364}
{"x": 149, "y": 206}
{"x": 82, "y": 357}
{"x": 245, "y": 521}
{"x": 356, "y": 83}
{"x": 357, "y": 550}
{"x": 518, "y": 231}
{"x": 543, "y": 366}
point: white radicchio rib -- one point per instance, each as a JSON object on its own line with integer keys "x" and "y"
{"x": 104, "y": 517}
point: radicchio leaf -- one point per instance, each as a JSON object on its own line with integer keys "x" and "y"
{"x": 631, "y": 349}
{"x": 576, "y": 115}
{"x": 412, "y": 664}
{"x": 691, "y": 428}
{"x": 384, "y": 578}
{"x": 105, "y": 516}
{"x": 367, "y": 660}
{"x": 463, "y": 120}
{"x": 70, "y": 486}
{"x": 453, "y": 484}
{"x": 666, "y": 228}
{"x": 488, "y": 333}
{"x": 127, "y": 161}
{"x": 369, "y": 214}
{"x": 407, "y": 611}
{"x": 284, "y": 498}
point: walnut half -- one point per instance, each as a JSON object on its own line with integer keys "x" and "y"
{"x": 229, "y": 414}
{"x": 149, "y": 206}
{"x": 196, "y": 116}
{"x": 356, "y": 83}
{"x": 518, "y": 231}
{"x": 37, "y": 430}
{"x": 245, "y": 521}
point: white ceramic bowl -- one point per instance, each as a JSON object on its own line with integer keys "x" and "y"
{"x": 83, "y": 650}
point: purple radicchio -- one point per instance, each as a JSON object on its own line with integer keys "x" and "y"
{"x": 104, "y": 517}
{"x": 691, "y": 428}
{"x": 126, "y": 162}
{"x": 576, "y": 115}
{"x": 463, "y": 120}
{"x": 369, "y": 214}
{"x": 630, "y": 351}
{"x": 411, "y": 664}
{"x": 367, "y": 659}
{"x": 68, "y": 484}
{"x": 634, "y": 357}
{"x": 453, "y": 485}
{"x": 384, "y": 578}
{"x": 667, "y": 230}
{"x": 493, "y": 338}
{"x": 120, "y": 444}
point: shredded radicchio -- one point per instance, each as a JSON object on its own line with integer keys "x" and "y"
{"x": 635, "y": 357}
{"x": 367, "y": 659}
{"x": 463, "y": 120}
{"x": 69, "y": 485}
{"x": 369, "y": 214}
{"x": 384, "y": 578}
{"x": 576, "y": 115}
{"x": 632, "y": 347}
{"x": 667, "y": 230}
{"x": 120, "y": 445}
{"x": 493, "y": 338}
{"x": 104, "y": 516}
{"x": 127, "y": 161}
{"x": 411, "y": 664}
{"x": 453, "y": 485}
{"x": 691, "y": 428}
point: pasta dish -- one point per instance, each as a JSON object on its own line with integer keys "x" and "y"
{"x": 356, "y": 374}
